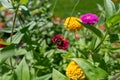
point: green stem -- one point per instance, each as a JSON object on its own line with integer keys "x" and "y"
{"x": 74, "y": 7}
{"x": 13, "y": 25}
{"x": 73, "y": 11}
{"x": 54, "y": 6}
{"x": 12, "y": 34}
{"x": 83, "y": 54}
{"x": 100, "y": 43}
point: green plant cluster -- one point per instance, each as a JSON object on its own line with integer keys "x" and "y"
{"x": 29, "y": 53}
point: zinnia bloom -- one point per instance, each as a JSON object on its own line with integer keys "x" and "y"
{"x": 72, "y": 24}
{"x": 89, "y": 18}
{"x": 74, "y": 72}
{"x": 60, "y": 42}
{"x": 2, "y": 45}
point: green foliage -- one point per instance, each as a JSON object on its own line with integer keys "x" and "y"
{"x": 93, "y": 29}
{"x": 7, "y": 52}
{"x": 28, "y": 53}
{"x": 109, "y": 8}
{"x": 58, "y": 76}
{"x": 114, "y": 38}
{"x": 6, "y": 3}
{"x": 113, "y": 20}
{"x": 22, "y": 71}
{"x": 23, "y": 1}
{"x": 16, "y": 38}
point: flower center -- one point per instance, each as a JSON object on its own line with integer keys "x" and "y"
{"x": 88, "y": 17}
{"x": 59, "y": 41}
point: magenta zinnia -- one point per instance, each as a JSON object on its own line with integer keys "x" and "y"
{"x": 89, "y": 18}
{"x": 60, "y": 42}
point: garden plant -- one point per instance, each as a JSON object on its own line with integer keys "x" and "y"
{"x": 37, "y": 45}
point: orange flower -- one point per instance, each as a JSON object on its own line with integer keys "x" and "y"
{"x": 2, "y": 24}
{"x": 2, "y": 45}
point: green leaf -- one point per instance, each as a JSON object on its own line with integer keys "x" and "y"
{"x": 109, "y": 8}
{"x": 7, "y": 76}
{"x": 93, "y": 43}
{"x": 22, "y": 71}
{"x": 21, "y": 52}
{"x": 31, "y": 25}
{"x": 113, "y": 20}
{"x": 7, "y": 30}
{"x": 23, "y": 2}
{"x": 93, "y": 29}
{"x": 16, "y": 38}
{"x": 7, "y": 52}
{"x": 6, "y": 4}
{"x": 5, "y": 43}
{"x": 114, "y": 38}
{"x": 24, "y": 10}
{"x": 32, "y": 74}
{"x": 56, "y": 75}
{"x": 92, "y": 72}
{"x": 45, "y": 77}
{"x": 17, "y": 0}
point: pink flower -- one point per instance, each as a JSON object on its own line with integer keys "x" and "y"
{"x": 89, "y": 18}
{"x": 60, "y": 42}
{"x": 77, "y": 36}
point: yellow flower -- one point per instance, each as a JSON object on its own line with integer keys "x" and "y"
{"x": 2, "y": 8}
{"x": 74, "y": 72}
{"x": 72, "y": 24}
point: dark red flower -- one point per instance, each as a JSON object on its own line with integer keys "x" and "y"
{"x": 2, "y": 45}
{"x": 60, "y": 42}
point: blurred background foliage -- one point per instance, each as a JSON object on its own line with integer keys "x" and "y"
{"x": 64, "y": 7}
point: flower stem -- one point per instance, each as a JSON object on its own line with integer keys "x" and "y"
{"x": 73, "y": 11}
{"x": 54, "y": 6}
{"x": 74, "y": 7}
{"x": 100, "y": 43}
{"x": 12, "y": 31}
{"x": 13, "y": 25}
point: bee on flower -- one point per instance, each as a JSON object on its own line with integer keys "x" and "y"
{"x": 72, "y": 24}
{"x": 74, "y": 72}
{"x": 60, "y": 42}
